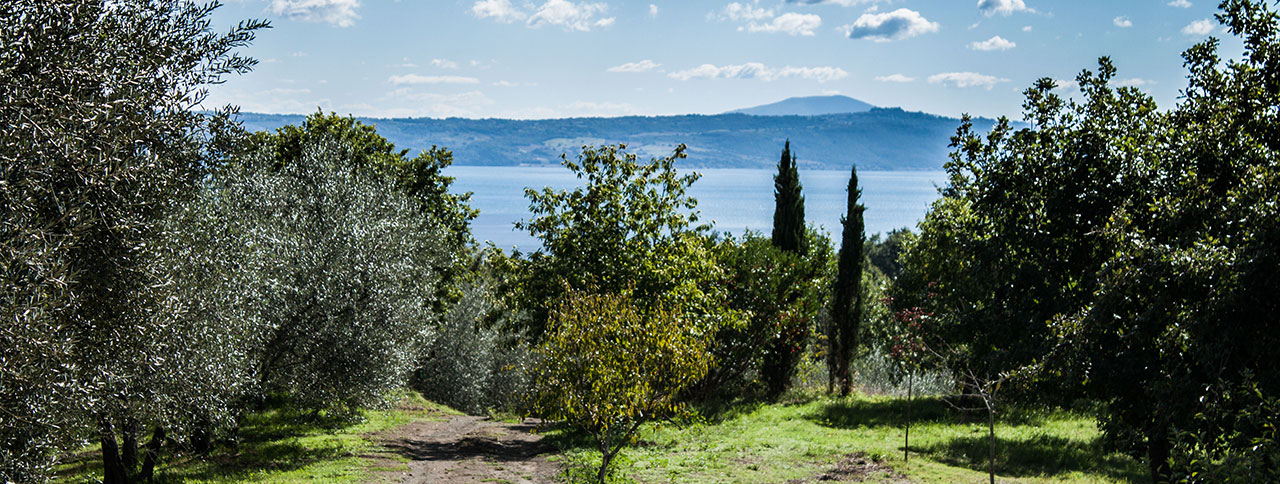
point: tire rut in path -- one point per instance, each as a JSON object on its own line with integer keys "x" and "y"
{"x": 466, "y": 450}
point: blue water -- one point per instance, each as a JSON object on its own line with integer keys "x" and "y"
{"x": 735, "y": 199}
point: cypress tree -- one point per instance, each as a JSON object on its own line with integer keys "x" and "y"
{"x": 788, "y": 213}
{"x": 846, "y": 309}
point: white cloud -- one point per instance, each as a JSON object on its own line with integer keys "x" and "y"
{"x": 1180, "y": 4}
{"x": 994, "y": 43}
{"x": 1198, "y": 28}
{"x": 895, "y": 78}
{"x": 1134, "y": 82}
{"x": 1066, "y": 86}
{"x": 641, "y": 66}
{"x": 514, "y": 84}
{"x": 337, "y": 12}
{"x": 966, "y": 79}
{"x": 410, "y": 103}
{"x": 417, "y": 79}
{"x": 843, "y": 3}
{"x": 883, "y": 27}
{"x": 499, "y": 10}
{"x": 741, "y": 11}
{"x": 653, "y": 10}
{"x": 1122, "y": 22}
{"x": 756, "y": 70}
{"x": 570, "y": 16}
{"x": 1002, "y": 7}
{"x": 820, "y": 74}
{"x": 589, "y": 108}
{"x": 1026, "y": 28}
{"x": 444, "y": 63}
{"x": 789, "y": 23}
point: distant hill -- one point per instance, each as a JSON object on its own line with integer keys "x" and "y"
{"x": 808, "y": 106}
{"x": 878, "y": 139}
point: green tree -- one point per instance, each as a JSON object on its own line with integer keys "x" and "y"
{"x": 1014, "y": 241}
{"x": 420, "y": 177}
{"x": 343, "y": 272}
{"x": 884, "y": 253}
{"x": 780, "y": 294}
{"x": 628, "y": 226}
{"x": 609, "y": 366}
{"x": 846, "y": 307}
{"x": 98, "y": 140}
{"x": 1180, "y": 338}
{"x": 788, "y": 212}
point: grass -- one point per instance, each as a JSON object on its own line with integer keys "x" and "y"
{"x": 809, "y": 436}
{"x": 286, "y": 446}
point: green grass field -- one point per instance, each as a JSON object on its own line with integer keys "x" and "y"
{"x": 802, "y": 438}
{"x": 810, "y": 436}
{"x": 282, "y": 446}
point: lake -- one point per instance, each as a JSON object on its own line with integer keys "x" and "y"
{"x": 735, "y": 199}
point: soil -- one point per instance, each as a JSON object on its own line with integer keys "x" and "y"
{"x": 857, "y": 467}
{"x": 468, "y": 449}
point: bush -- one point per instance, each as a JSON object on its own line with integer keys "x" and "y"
{"x": 609, "y": 367}
{"x": 782, "y": 296}
{"x": 471, "y": 365}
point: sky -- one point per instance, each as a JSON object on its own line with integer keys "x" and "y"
{"x": 533, "y": 59}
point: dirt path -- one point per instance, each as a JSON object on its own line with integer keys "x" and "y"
{"x": 466, "y": 449}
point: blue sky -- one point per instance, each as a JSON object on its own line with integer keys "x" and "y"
{"x": 560, "y": 58}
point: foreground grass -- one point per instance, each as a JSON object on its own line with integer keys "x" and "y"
{"x": 807, "y": 438}
{"x": 285, "y": 446}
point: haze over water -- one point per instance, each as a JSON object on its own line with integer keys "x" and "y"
{"x": 736, "y": 199}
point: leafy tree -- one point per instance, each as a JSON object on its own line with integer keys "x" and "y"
{"x": 99, "y": 139}
{"x": 1180, "y": 338}
{"x": 884, "y": 254}
{"x": 626, "y": 227}
{"x": 420, "y": 177}
{"x": 471, "y": 364}
{"x": 1014, "y": 241}
{"x": 780, "y": 294}
{"x": 342, "y": 270}
{"x": 846, "y": 307}
{"x": 608, "y": 366}
{"x": 788, "y": 212}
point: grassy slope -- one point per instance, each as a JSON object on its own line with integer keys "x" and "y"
{"x": 777, "y": 443}
{"x": 280, "y": 446}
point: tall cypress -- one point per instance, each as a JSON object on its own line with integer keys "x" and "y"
{"x": 788, "y": 213}
{"x": 846, "y": 309}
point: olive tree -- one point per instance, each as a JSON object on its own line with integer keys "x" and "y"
{"x": 339, "y": 270}
{"x": 98, "y": 139}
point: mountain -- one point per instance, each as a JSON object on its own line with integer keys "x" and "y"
{"x": 808, "y": 106}
{"x": 878, "y": 139}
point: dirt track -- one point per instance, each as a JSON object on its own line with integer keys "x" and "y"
{"x": 466, "y": 449}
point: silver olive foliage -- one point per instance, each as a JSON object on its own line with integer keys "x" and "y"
{"x": 336, "y": 269}
{"x": 98, "y": 139}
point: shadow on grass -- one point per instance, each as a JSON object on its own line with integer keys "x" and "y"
{"x": 855, "y": 413}
{"x": 1040, "y": 455}
{"x": 252, "y": 459}
{"x": 268, "y": 441}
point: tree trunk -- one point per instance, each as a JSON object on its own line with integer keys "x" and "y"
{"x": 906, "y": 439}
{"x": 1158, "y": 456}
{"x": 991, "y": 440}
{"x": 112, "y": 471}
{"x": 202, "y": 436}
{"x": 129, "y": 445}
{"x": 153, "y": 455}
